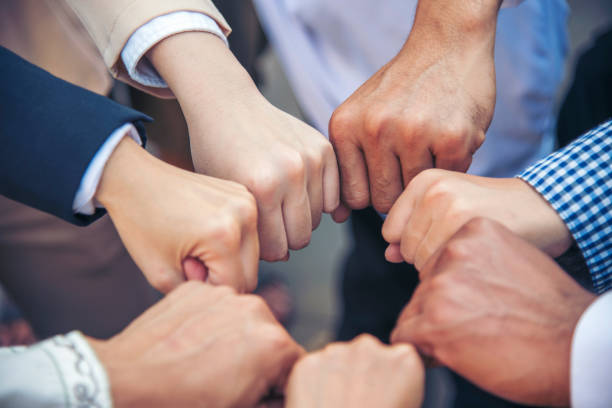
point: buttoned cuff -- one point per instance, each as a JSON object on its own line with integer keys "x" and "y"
{"x": 138, "y": 66}
{"x": 84, "y": 202}
{"x": 591, "y": 359}
{"x": 60, "y": 372}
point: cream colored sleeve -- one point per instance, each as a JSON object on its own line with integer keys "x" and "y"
{"x": 111, "y": 23}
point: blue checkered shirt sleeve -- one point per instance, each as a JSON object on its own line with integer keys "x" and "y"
{"x": 577, "y": 182}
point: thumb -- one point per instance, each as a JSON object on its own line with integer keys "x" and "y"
{"x": 194, "y": 269}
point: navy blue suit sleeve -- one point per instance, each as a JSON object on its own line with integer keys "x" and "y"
{"x": 50, "y": 131}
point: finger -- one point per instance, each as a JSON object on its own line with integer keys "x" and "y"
{"x": 393, "y": 254}
{"x": 341, "y": 214}
{"x": 412, "y": 165}
{"x": 315, "y": 196}
{"x": 414, "y": 232}
{"x": 297, "y": 218}
{"x": 398, "y": 217}
{"x": 385, "y": 179}
{"x": 272, "y": 235}
{"x": 331, "y": 182}
{"x": 409, "y": 330}
{"x": 194, "y": 269}
{"x": 353, "y": 176}
{"x": 225, "y": 267}
{"x": 440, "y": 231}
{"x": 249, "y": 254}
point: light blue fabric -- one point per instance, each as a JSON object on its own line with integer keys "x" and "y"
{"x": 329, "y": 48}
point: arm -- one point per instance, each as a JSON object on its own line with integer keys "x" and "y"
{"x": 230, "y": 352}
{"x": 428, "y": 107}
{"x": 498, "y": 312}
{"x": 175, "y": 224}
{"x": 563, "y": 198}
{"x": 111, "y": 23}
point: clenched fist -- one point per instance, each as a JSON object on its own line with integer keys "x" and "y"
{"x": 499, "y": 312}
{"x": 362, "y": 373}
{"x": 178, "y": 225}
{"x": 201, "y": 346}
{"x": 237, "y": 135}
{"x": 437, "y": 203}
{"x": 428, "y": 107}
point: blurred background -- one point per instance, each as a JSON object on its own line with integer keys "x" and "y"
{"x": 305, "y": 289}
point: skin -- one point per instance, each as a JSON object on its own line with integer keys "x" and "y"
{"x": 179, "y": 225}
{"x": 428, "y": 107}
{"x": 362, "y": 373}
{"x": 236, "y": 134}
{"x": 437, "y": 203}
{"x": 201, "y": 346}
{"x": 499, "y": 312}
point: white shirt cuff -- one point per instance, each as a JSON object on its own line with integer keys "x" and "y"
{"x": 84, "y": 199}
{"x": 591, "y": 359}
{"x": 138, "y": 66}
{"x": 60, "y": 372}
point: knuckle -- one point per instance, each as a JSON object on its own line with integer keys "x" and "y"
{"x": 227, "y": 232}
{"x": 265, "y": 184}
{"x": 253, "y": 304}
{"x": 163, "y": 281}
{"x": 366, "y": 341}
{"x": 456, "y": 250}
{"x": 340, "y": 124}
{"x": 440, "y": 313}
{"x": 295, "y": 167}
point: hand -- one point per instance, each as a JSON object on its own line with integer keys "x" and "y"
{"x": 237, "y": 135}
{"x": 362, "y": 373}
{"x": 499, "y": 312}
{"x": 428, "y": 107}
{"x": 201, "y": 346}
{"x": 437, "y": 203}
{"x": 176, "y": 224}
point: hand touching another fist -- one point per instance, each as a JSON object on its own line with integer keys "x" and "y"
{"x": 438, "y": 203}
{"x": 236, "y": 134}
{"x": 177, "y": 225}
{"x": 499, "y": 312}
{"x": 362, "y": 373}
{"x": 201, "y": 346}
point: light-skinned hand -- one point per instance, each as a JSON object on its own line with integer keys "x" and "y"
{"x": 179, "y": 225}
{"x": 437, "y": 203}
{"x": 362, "y": 373}
{"x": 428, "y": 107}
{"x": 201, "y": 346}
{"x": 499, "y": 312}
{"x": 236, "y": 134}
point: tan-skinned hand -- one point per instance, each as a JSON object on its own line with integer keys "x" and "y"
{"x": 362, "y": 373}
{"x": 237, "y": 135}
{"x": 179, "y": 225}
{"x": 428, "y": 107}
{"x": 201, "y": 346}
{"x": 499, "y": 312}
{"x": 437, "y": 203}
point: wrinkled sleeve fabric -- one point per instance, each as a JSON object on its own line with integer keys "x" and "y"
{"x": 62, "y": 371}
{"x": 577, "y": 183}
{"x": 112, "y": 22}
{"x": 50, "y": 132}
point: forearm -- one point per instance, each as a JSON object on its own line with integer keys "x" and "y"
{"x": 201, "y": 71}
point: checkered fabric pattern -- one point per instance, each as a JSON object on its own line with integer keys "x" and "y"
{"x": 577, "y": 182}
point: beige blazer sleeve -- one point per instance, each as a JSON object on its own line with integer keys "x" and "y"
{"x": 111, "y": 23}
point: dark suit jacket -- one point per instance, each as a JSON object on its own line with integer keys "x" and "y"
{"x": 50, "y": 130}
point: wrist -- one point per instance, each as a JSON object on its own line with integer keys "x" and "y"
{"x": 201, "y": 71}
{"x": 125, "y": 164}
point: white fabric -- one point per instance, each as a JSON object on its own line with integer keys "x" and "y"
{"x": 60, "y": 372}
{"x": 84, "y": 198}
{"x": 591, "y": 360}
{"x": 329, "y": 48}
{"x": 143, "y": 39}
